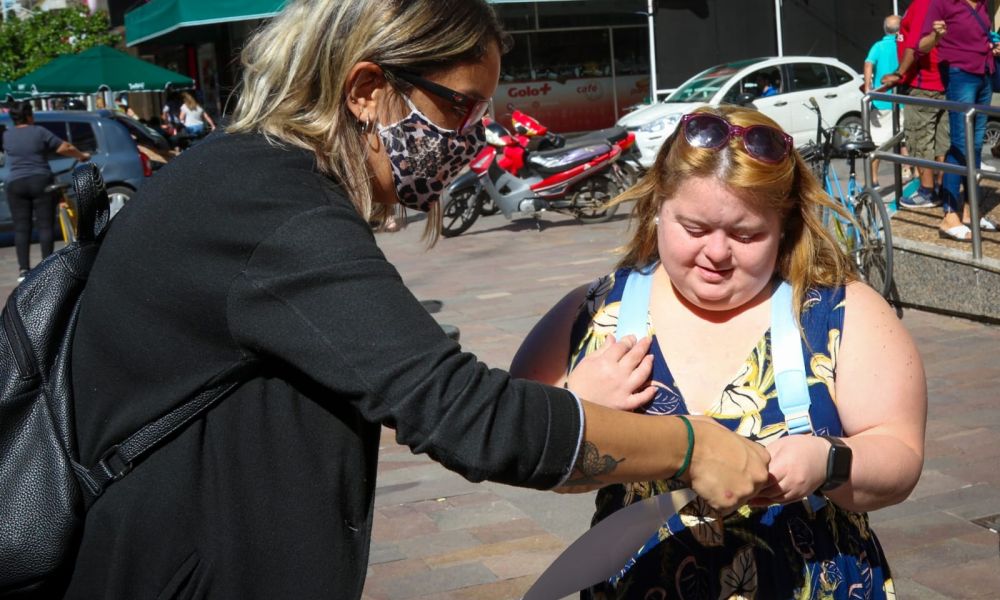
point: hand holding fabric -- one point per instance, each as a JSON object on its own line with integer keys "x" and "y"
{"x": 797, "y": 469}
{"x": 616, "y": 375}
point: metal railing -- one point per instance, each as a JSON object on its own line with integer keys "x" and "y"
{"x": 972, "y": 174}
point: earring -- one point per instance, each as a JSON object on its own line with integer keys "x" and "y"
{"x": 656, "y": 220}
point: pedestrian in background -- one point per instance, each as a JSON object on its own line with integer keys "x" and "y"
{"x": 27, "y": 148}
{"x": 882, "y": 60}
{"x": 926, "y": 128}
{"x": 121, "y": 105}
{"x": 728, "y": 212}
{"x": 249, "y": 260}
{"x": 960, "y": 30}
{"x": 193, "y": 116}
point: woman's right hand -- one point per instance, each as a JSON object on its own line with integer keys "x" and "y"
{"x": 615, "y": 375}
{"x": 726, "y": 469}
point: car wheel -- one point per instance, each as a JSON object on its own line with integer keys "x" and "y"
{"x": 849, "y": 129}
{"x": 118, "y": 196}
{"x": 991, "y": 138}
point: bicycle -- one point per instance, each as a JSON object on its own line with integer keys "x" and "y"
{"x": 866, "y": 233}
{"x": 65, "y": 206}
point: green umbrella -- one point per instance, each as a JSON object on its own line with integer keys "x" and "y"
{"x": 7, "y": 92}
{"x": 98, "y": 69}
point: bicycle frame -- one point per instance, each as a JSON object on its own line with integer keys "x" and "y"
{"x": 863, "y": 229}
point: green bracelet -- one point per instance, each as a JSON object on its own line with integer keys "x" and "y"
{"x": 690, "y": 448}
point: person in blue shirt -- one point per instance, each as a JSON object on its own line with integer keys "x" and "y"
{"x": 765, "y": 86}
{"x": 881, "y": 61}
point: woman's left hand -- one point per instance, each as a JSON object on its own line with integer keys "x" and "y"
{"x": 797, "y": 469}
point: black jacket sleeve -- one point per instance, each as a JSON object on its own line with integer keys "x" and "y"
{"x": 318, "y": 296}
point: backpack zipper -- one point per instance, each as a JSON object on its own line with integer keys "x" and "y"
{"x": 18, "y": 340}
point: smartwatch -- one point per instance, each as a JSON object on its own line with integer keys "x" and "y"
{"x": 838, "y": 464}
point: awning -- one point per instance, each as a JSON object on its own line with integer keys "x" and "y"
{"x": 98, "y": 69}
{"x": 160, "y": 17}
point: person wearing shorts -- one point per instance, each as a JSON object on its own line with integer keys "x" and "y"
{"x": 926, "y": 128}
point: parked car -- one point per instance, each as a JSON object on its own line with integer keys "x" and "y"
{"x": 108, "y": 137}
{"x": 778, "y": 87}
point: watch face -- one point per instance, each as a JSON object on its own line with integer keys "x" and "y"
{"x": 839, "y": 467}
{"x": 838, "y": 464}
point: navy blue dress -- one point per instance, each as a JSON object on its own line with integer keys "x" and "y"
{"x": 804, "y": 550}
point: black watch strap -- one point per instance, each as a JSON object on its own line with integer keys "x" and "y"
{"x": 838, "y": 464}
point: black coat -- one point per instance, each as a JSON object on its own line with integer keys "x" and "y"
{"x": 241, "y": 251}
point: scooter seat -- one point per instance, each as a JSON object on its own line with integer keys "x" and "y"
{"x": 611, "y": 135}
{"x": 551, "y": 162}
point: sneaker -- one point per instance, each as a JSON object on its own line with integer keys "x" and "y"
{"x": 920, "y": 199}
{"x": 22, "y": 275}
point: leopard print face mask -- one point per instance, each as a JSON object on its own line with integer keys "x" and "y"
{"x": 425, "y": 157}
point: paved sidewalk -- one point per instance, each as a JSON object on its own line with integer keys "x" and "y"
{"x": 439, "y": 536}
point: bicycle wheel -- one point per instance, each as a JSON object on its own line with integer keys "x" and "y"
{"x": 873, "y": 251}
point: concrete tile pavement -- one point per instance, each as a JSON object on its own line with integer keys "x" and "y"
{"x": 500, "y": 278}
{"x": 437, "y": 536}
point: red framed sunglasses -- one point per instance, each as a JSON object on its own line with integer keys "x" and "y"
{"x": 762, "y": 142}
{"x": 471, "y": 109}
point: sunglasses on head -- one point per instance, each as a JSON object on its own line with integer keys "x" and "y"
{"x": 471, "y": 109}
{"x": 762, "y": 142}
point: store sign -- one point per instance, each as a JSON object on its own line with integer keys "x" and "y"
{"x": 573, "y": 104}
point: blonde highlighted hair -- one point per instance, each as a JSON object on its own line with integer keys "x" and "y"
{"x": 295, "y": 70}
{"x": 809, "y": 255}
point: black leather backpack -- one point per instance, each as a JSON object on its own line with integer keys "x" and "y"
{"x": 44, "y": 490}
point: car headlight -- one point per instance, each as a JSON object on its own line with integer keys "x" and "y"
{"x": 660, "y": 124}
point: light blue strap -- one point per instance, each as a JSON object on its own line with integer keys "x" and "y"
{"x": 789, "y": 366}
{"x": 633, "y": 311}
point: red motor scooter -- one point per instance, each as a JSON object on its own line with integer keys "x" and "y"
{"x": 523, "y": 183}
{"x": 627, "y": 168}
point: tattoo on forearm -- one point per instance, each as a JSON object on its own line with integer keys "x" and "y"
{"x": 591, "y": 464}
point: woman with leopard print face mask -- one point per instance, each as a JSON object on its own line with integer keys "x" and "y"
{"x": 250, "y": 259}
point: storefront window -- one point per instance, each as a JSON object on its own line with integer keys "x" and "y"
{"x": 593, "y": 13}
{"x": 517, "y": 17}
{"x": 579, "y": 66}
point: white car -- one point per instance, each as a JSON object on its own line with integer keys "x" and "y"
{"x": 778, "y": 87}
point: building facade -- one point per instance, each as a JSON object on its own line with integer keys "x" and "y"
{"x": 575, "y": 64}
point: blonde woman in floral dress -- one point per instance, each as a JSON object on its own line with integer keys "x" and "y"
{"x": 728, "y": 211}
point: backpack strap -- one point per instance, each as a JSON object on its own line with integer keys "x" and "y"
{"x": 786, "y": 343}
{"x": 118, "y": 460}
{"x": 633, "y": 309}
{"x": 787, "y": 362}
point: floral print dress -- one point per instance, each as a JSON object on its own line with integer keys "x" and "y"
{"x": 804, "y": 550}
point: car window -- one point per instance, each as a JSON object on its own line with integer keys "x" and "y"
{"x": 703, "y": 86}
{"x": 809, "y": 76}
{"x": 142, "y": 133}
{"x": 58, "y": 128}
{"x": 840, "y": 76}
{"x": 82, "y": 136}
{"x": 759, "y": 84}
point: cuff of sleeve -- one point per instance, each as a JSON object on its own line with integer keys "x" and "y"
{"x": 568, "y": 469}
